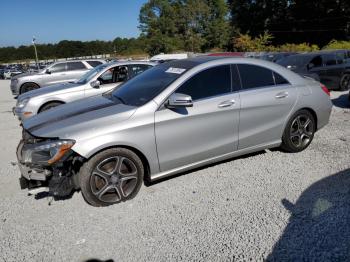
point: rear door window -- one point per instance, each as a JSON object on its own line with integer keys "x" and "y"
{"x": 317, "y": 61}
{"x": 253, "y": 76}
{"x": 330, "y": 59}
{"x": 341, "y": 56}
{"x": 75, "y": 66}
{"x": 208, "y": 83}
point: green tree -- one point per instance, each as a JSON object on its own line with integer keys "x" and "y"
{"x": 190, "y": 25}
{"x": 157, "y": 24}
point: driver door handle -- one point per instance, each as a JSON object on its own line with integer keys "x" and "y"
{"x": 281, "y": 95}
{"x": 227, "y": 103}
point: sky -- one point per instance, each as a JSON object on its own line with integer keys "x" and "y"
{"x": 52, "y": 21}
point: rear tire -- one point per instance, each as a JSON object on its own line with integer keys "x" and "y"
{"x": 344, "y": 82}
{"x": 28, "y": 87}
{"x": 299, "y": 132}
{"x": 111, "y": 177}
{"x": 49, "y": 105}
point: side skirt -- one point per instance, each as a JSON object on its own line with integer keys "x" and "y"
{"x": 188, "y": 167}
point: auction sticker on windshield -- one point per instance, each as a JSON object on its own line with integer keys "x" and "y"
{"x": 174, "y": 70}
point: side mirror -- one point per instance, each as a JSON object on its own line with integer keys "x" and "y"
{"x": 177, "y": 100}
{"x": 48, "y": 71}
{"x": 95, "y": 84}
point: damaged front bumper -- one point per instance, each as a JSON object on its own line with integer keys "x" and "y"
{"x": 59, "y": 179}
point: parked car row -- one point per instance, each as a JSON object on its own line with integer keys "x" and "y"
{"x": 99, "y": 80}
{"x": 8, "y": 73}
{"x": 164, "y": 119}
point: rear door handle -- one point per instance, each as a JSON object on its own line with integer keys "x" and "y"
{"x": 282, "y": 95}
{"x": 227, "y": 103}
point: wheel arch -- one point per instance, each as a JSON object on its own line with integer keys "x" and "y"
{"x": 30, "y": 82}
{"x": 49, "y": 102}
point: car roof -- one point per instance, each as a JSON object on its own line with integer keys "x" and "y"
{"x": 133, "y": 62}
{"x": 195, "y": 61}
{"x": 78, "y": 60}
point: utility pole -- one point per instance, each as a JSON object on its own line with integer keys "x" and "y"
{"x": 36, "y": 53}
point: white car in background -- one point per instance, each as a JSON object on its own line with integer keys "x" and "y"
{"x": 10, "y": 73}
{"x": 101, "y": 79}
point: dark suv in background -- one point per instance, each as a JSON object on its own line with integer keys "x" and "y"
{"x": 331, "y": 68}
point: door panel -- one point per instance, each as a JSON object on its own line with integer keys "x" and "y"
{"x": 263, "y": 114}
{"x": 58, "y": 74}
{"x": 189, "y": 135}
{"x": 56, "y": 78}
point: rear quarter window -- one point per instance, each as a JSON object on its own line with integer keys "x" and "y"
{"x": 280, "y": 80}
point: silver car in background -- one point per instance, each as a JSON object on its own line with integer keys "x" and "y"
{"x": 172, "y": 118}
{"x": 58, "y": 72}
{"x": 99, "y": 80}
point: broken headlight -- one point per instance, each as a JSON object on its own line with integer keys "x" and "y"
{"x": 46, "y": 153}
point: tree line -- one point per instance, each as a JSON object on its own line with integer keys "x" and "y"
{"x": 209, "y": 25}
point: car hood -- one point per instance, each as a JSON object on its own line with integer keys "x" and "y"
{"x": 48, "y": 90}
{"x": 24, "y": 74}
{"x": 27, "y": 74}
{"x": 72, "y": 120}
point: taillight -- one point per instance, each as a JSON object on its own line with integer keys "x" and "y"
{"x": 325, "y": 89}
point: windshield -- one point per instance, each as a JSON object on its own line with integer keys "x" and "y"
{"x": 295, "y": 61}
{"x": 146, "y": 86}
{"x": 91, "y": 74}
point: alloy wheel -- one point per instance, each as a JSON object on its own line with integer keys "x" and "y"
{"x": 345, "y": 83}
{"x": 114, "y": 179}
{"x": 302, "y": 131}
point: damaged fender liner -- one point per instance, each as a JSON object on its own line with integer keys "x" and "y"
{"x": 60, "y": 181}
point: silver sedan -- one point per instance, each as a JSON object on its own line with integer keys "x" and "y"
{"x": 172, "y": 118}
{"x": 97, "y": 81}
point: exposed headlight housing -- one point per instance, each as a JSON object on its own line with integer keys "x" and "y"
{"x": 22, "y": 103}
{"x": 46, "y": 153}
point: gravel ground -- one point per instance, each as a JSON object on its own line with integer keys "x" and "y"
{"x": 270, "y": 205}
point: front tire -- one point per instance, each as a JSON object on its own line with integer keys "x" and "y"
{"x": 28, "y": 87}
{"x": 299, "y": 132}
{"x": 110, "y": 177}
{"x": 344, "y": 82}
